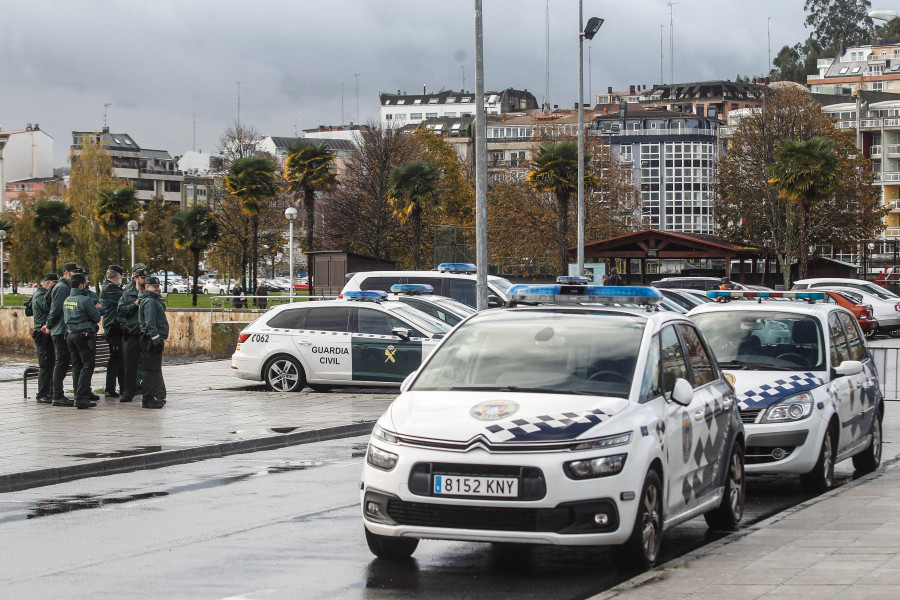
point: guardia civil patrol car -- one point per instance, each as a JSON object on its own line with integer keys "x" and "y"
{"x": 362, "y": 339}
{"x": 421, "y": 297}
{"x": 806, "y": 383}
{"x": 571, "y": 421}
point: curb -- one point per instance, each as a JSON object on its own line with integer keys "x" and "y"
{"x": 15, "y": 482}
{"x": 660, "y": 572}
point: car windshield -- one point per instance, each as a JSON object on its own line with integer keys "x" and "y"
{"x": 571, "y": 352}
{"x": 424, "y": 322}
{"x": 455, "y": 307}
{"x": 764, "y": 340}
{"x": 501, "y": 284}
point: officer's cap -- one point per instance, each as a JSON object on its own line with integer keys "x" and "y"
{"x": 137, "y": 267}
{"x": 78, "y": 279}
{"x": 152, "y": 281}
{"x": 142, "y": 272}
{"x": 50, "y": 277}
{"x": 117, "y": 269}
{"x": 70, "y": 267}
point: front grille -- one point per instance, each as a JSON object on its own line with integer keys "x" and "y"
{"x": 568, "y": 519}
{"x": 532, "y": 485}
{"x": 750, "y": 415}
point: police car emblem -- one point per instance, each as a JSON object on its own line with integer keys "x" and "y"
{"x": 730, "y": 378}
{"x": 493, "y": 410}
{"x": 687, "y": 437}
{"x": 389, "y": 353}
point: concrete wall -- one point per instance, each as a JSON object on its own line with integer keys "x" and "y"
{"x": 190, "y": 330}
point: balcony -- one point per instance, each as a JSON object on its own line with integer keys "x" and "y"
{"x": 875, "y": 150}
{"x": 870, "y": 123}
{"x": 845, "y": 124}
{"x": 893, "y": 149}
{"x": 890, "y": 232}
{"x": 658, "y": 132}
{"x": 890, "y": 177}
{"x": 726, "y": 131}
{"x": 892, "y": 122}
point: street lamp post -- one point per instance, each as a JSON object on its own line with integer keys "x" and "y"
{"x": 481, "y": 254}
{"x": 291, "y": 215}
{"x": 3, "y": 141}
{"x": 588, "y": 32}
{"x": 2, "y": 265}
{"x": 132, "y": 229}
{"x": 871, "y": 250}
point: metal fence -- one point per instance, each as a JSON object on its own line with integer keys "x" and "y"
{"x": 886, "y": 361}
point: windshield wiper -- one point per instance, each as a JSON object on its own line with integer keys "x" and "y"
{"x": 743, "y": 364}
{"x": 515, "y": 388}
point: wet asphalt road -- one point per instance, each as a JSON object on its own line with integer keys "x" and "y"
{"x": 280, "y": 524}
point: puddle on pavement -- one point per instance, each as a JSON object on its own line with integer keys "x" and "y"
{"x": 118, "y": 453}
{"x": 264, "y": 430}
{"x": 287, "y": 467}
{"x": 55, "y": 506}
{"x": 358, "y": 450}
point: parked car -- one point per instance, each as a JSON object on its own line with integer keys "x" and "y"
{"x": 854, "y": 302}
{"x": 833, "y": 282}
{"x": 218, "y": 288}
{"x": 695, "y": 283}
{"x": 885, "y": 311}
{"x": 684, "y": 299}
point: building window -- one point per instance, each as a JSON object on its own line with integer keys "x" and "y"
{"x": 626, "y": 154}
{"x": 189, "y": 191}
{"x": 388, "y": 117}
{"x": 201, "y": 192}
{"x": 431, "y": 115}
{"x": 415, "y": 115}
{"x": 417, "y": 101}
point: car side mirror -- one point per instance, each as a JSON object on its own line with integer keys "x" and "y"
{"x": 408, "y": 381}
{"x": 848, "y": 367}
{"x": 400, "y": 332}
{"x": 494, "y": 302}
{"x": 682, "y": 392}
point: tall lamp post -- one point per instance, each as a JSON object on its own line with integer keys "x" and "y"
{"x": 2, "y": 180}
{"x": 593, "y": 26}
{"x": 871, "y": 250}
{"x": 2, "y": 265}
{"x": 290, "y": 214}
{"x": 132, "y": 229}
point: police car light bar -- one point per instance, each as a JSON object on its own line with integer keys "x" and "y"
{"x": 578, "y": 294}
{"x": 456, "y": 268}
{"x": 411, "y": 289}
{"x": 573, "y": 280}
{"x": 732, "y": 294}
{"x": 368, "y": 296}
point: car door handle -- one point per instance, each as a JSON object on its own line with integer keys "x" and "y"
{"x": 305, "y": 342}
{"x": 726, "y": 403}
{"x": 698, "y": 414}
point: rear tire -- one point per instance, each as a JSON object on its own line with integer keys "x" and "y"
{"x": 284, "y": 374}
{"x": 391, "y": 548}
{"x": 869, "y": 459}
{"x": 641, "y": 551}
{"x": 821, "y": 477}
{"x": 727, "y": 516}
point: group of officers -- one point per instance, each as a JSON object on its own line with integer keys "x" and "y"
{"x": 67, "y": 318}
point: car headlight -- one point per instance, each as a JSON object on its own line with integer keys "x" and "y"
{"x": 381, "y": 459}
{"x": 794, "y": 408}
{"x": 596, "y": 467}
{"x": 620, "y": 439}
{"x": 384, "y": 435}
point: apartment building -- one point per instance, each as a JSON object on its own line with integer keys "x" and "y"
{"x": 874, "y": 67}
{"x": 26, "y": 159}
{"x": 402, "y": 109}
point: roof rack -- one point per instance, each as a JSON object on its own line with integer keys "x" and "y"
{"x": 582, "y": 294}
{"x": 726, "y": 295}
{"x": 412, "y": 289}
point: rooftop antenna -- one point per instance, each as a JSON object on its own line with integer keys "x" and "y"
{"x": 547, "y": 57}
{"x": 463, "y": 69}
{"x": 239, "y": 104}
{"x": 342, "y": 103}
{"x": 356, "y": 76}
{"x": 662, "y": 79}
{"x": 671, "y": 43}
{"x": 769, "y": 36}
{"x": 590, "y": 72}
{"x": 105, "y": 106}
{"x": 194, "y": 144}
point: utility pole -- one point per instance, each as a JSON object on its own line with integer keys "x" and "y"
{"x": 194, "y": 143}
{"x": 671, "y": 43}
{"x": 356, "y": 76}
{"x": 481, "y": 262}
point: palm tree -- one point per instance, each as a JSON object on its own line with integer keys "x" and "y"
{"x": 805, "y": 172}
{"x": 307, "y": 168}
{"x": 556, "y": 171}
{"x": 415, "y": 187}
{"x": 252, "y": 180}
{"x": 195, "y": 230}
{"x": 114, "y": 209}
{"x": 51, "y": 217}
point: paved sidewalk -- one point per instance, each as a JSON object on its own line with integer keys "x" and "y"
{"x": 210, "y": 412}
{"x": 844, "y": 544}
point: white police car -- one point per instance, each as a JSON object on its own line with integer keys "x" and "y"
{"x": 420, "y": 296}
{"x": 360, "y": 340}
{"x": 806, "y": 384}
{"x": 567, "y": 423}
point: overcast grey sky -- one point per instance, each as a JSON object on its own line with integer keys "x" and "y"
{"x": 159, "y": 63}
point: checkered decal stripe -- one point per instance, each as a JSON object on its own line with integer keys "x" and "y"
{"x": 770, "y": 393}
{"x": 560, "y": 426}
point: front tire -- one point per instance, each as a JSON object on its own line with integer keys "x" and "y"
{"x": 821, "y": 478}
{"x": 869, "y": 459}
{"x": 641, "y": 551}
{"x": 284, "y": 374}
{"x": 727, "y": 516}
{"x": 391, "y": 548}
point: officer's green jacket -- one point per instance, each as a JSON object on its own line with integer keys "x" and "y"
{"x": 152, "y": 316}
{"x": 58, "y": 295}
{"x": 40, "y": 304}
{"x": 79, "y": 311}
{"x": 128, "y": 310}
{"x": 110, "y": 295}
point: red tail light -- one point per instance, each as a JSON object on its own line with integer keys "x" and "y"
{"x": 243, "y": 337}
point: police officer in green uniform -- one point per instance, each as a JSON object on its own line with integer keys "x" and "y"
{"x": 128, "y": 312}
{"x": 40, "y": 305}
{"x": 81, "y": 318}
{"x": 112, "y": 328}
{"x": 56, "y": 327}
{"x": 154, "y": 331}
{"x": 95, "y": 300}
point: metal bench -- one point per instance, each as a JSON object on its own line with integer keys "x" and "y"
{"x": 101, "y": 362}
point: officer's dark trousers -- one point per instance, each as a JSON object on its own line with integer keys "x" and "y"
{"x": 154, "y": 386}
{"x": 60, "y": 366}
{"x": 132, "y": 363}
{"x": 115, "y": 369}
{"x": 46, "y": 358}
{"x": 83, "y": 348}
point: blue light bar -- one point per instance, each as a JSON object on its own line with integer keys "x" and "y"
{"x": 810, "y": 296}
{"x": 573, "y": 280}
{"x": 580, "y": 294}
{"x": 456, "y": 268}
{"x": 412, "y": 289}
{"x": 369, "y": 296}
